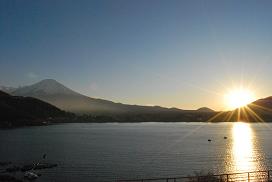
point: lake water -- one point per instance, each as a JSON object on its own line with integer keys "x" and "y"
{"x": 105, "y": 152}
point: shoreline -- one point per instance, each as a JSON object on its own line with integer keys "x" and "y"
{"x": 173, "y": 122}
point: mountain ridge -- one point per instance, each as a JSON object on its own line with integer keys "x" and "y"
{"x": 108, "y": 111}
{"x": 257, "y": 111}
{"x": 55, "y": 93}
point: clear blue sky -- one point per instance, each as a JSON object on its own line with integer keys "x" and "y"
{"x": 172, "y": 53}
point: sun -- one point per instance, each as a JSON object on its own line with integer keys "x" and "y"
{"x": 237, "y": 98}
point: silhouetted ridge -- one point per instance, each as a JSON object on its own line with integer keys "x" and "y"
{"x": 205, "y": 109}
{"x": 20, "y": 111}
{"x": 3, "y": 94}
{"x": 264, "y": 102}
{"x": 257, "y": 111}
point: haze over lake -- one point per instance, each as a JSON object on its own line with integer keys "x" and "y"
{"x": 105, "y": 152}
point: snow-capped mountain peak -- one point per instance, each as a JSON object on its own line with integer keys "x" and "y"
{"x": 47, "y": 86}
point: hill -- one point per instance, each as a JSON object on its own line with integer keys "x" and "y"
{"x": 205, "y": 109}
{"x": 20, "y": 111}
{"x": 257, "y": 111}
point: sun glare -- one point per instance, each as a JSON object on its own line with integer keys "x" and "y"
{"x": 238, "y": 98}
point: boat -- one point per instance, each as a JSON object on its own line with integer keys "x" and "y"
{"x": 30, "y": 175}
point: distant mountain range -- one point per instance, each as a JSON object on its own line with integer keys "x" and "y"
{"x": 40, "y": 102}
{"x": 31, "y": 105}
{"x": 57, "y": 94}
{"x": 21, "y": 111}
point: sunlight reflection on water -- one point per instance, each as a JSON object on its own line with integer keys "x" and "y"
{"x": 242, "y": 148}
{"x": 245, "y": 157}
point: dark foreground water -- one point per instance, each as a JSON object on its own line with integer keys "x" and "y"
{"x": 105, "y": 152}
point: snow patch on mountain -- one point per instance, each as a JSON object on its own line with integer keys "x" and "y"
{"x": 47, "y": 86}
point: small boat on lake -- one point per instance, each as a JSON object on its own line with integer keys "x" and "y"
{"x": 30, "y": 175}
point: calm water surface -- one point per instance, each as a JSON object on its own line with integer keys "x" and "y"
{"x": 105, "y": 152}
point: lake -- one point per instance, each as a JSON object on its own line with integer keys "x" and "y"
{"x": 110, "y": 151}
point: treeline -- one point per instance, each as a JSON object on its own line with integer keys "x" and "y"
{"x": 144, "y": 117}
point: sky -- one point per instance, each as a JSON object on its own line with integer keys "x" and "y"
{"x": 183, "y": 54}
